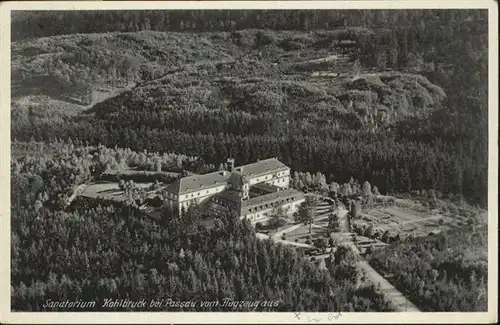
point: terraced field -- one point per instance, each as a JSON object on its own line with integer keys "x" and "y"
{"x": 411, "y": 218}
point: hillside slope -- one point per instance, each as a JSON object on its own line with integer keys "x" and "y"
{"x": 251, "y": 71}
{"x": 308, "y": 97}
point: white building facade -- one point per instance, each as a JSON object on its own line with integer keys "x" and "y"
{"x": 235, "y": 185}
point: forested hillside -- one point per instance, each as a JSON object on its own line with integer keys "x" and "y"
{"x": 257, "y": 93}
{"x": 40, "y": 24}
{"x": 96, "y": 249}
{"x": 451, "y": 273}
{"x": 393, "y": 99}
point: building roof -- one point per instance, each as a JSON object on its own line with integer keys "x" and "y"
{"x": 261, "y": 167}
{"x": 199, "y": 182}
{"x": 271, "y": 198}
{"x": 241, "y": 173}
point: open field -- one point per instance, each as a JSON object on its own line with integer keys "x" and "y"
{"x": 109, "y": 190}
{"x": 410, "y": 218}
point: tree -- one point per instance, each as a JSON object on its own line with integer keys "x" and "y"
{"x": 38, "y": 205}
{"x": 346, "y": 189}
{"x": 320, "y": 243}
{"x": 121, "y": 185}
{"x": 146, "y": 24}
{"x": 277, "y": 217}
{"x": 367, "y": 189}
{"x": 344, "y": 254}
{"x": 385, "y": 236}
{"x": 332, "y": 242}
{"x": 158, "y": 164}
{"x": 432, "y": 194}
{"x": 470, "y": 221}
{"x": 130, "y": 190}
{"x": 334, "y": 223}
{"x": 334, "y": 189}
{"x": 307, "y": 211}
{"x": 381, "y": 60}
{"x": 355, "y": 209}
{"x": 369, "y": 231}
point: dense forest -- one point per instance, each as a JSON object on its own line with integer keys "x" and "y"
{"x": 135, "y": 257}
{"x": 406, "y": 111}
{"x": 41, "y": 24}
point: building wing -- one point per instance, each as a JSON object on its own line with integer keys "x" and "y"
{"x": 268, "y": 200}
{"x": 199, "y": 182}
{"x": 262, "y": 167}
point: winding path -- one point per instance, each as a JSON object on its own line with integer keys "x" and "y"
{"x": 400, "y": 302}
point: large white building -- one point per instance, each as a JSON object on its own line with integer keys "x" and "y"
{"x": 251, "y": 191}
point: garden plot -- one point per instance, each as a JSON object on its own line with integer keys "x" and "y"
{"x": 409, "y": 220}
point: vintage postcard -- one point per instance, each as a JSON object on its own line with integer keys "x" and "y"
{"x": 249, "y": 162}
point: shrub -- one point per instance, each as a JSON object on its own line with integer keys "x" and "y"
{"x": 258, "y": 225}
{"x": 308, "y": 241}
{"x": 385, "y": 236}
{"x": 283, "y": 237}
{"x": 369, "y": 231}
{"x": 331, "y": 242}
{"x": 320, "y": 243}
{"x": 396, "y": 238}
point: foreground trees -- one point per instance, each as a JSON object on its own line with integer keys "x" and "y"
{"x": 307, "y": 211}
{"x": 445, "y": 272}
{"x": 96, "y": 249}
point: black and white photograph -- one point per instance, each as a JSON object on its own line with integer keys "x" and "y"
{"x": 316, "y": 163}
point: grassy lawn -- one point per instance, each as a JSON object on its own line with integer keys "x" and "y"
{"x": 301, "y": 234}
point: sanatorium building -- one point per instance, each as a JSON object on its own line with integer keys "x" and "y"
{"x": 250, "y": 191}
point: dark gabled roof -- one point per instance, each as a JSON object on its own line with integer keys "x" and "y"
{"x": 261, "y": 167}
{"x": 199, "y": 182}
{"x": 241, "y": 173}
{"x": 271, "y": 198}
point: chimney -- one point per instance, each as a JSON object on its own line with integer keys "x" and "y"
{"x": 230, "y": 162}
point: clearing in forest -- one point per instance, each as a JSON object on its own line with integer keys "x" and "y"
{"x": 409, "y": 217}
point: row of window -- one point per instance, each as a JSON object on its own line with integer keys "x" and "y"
{"x": 197, "y": 194}
{"x": 271, "y": 205}
{"x": 280, "y": 180}
{"x": 270, "y": 176}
